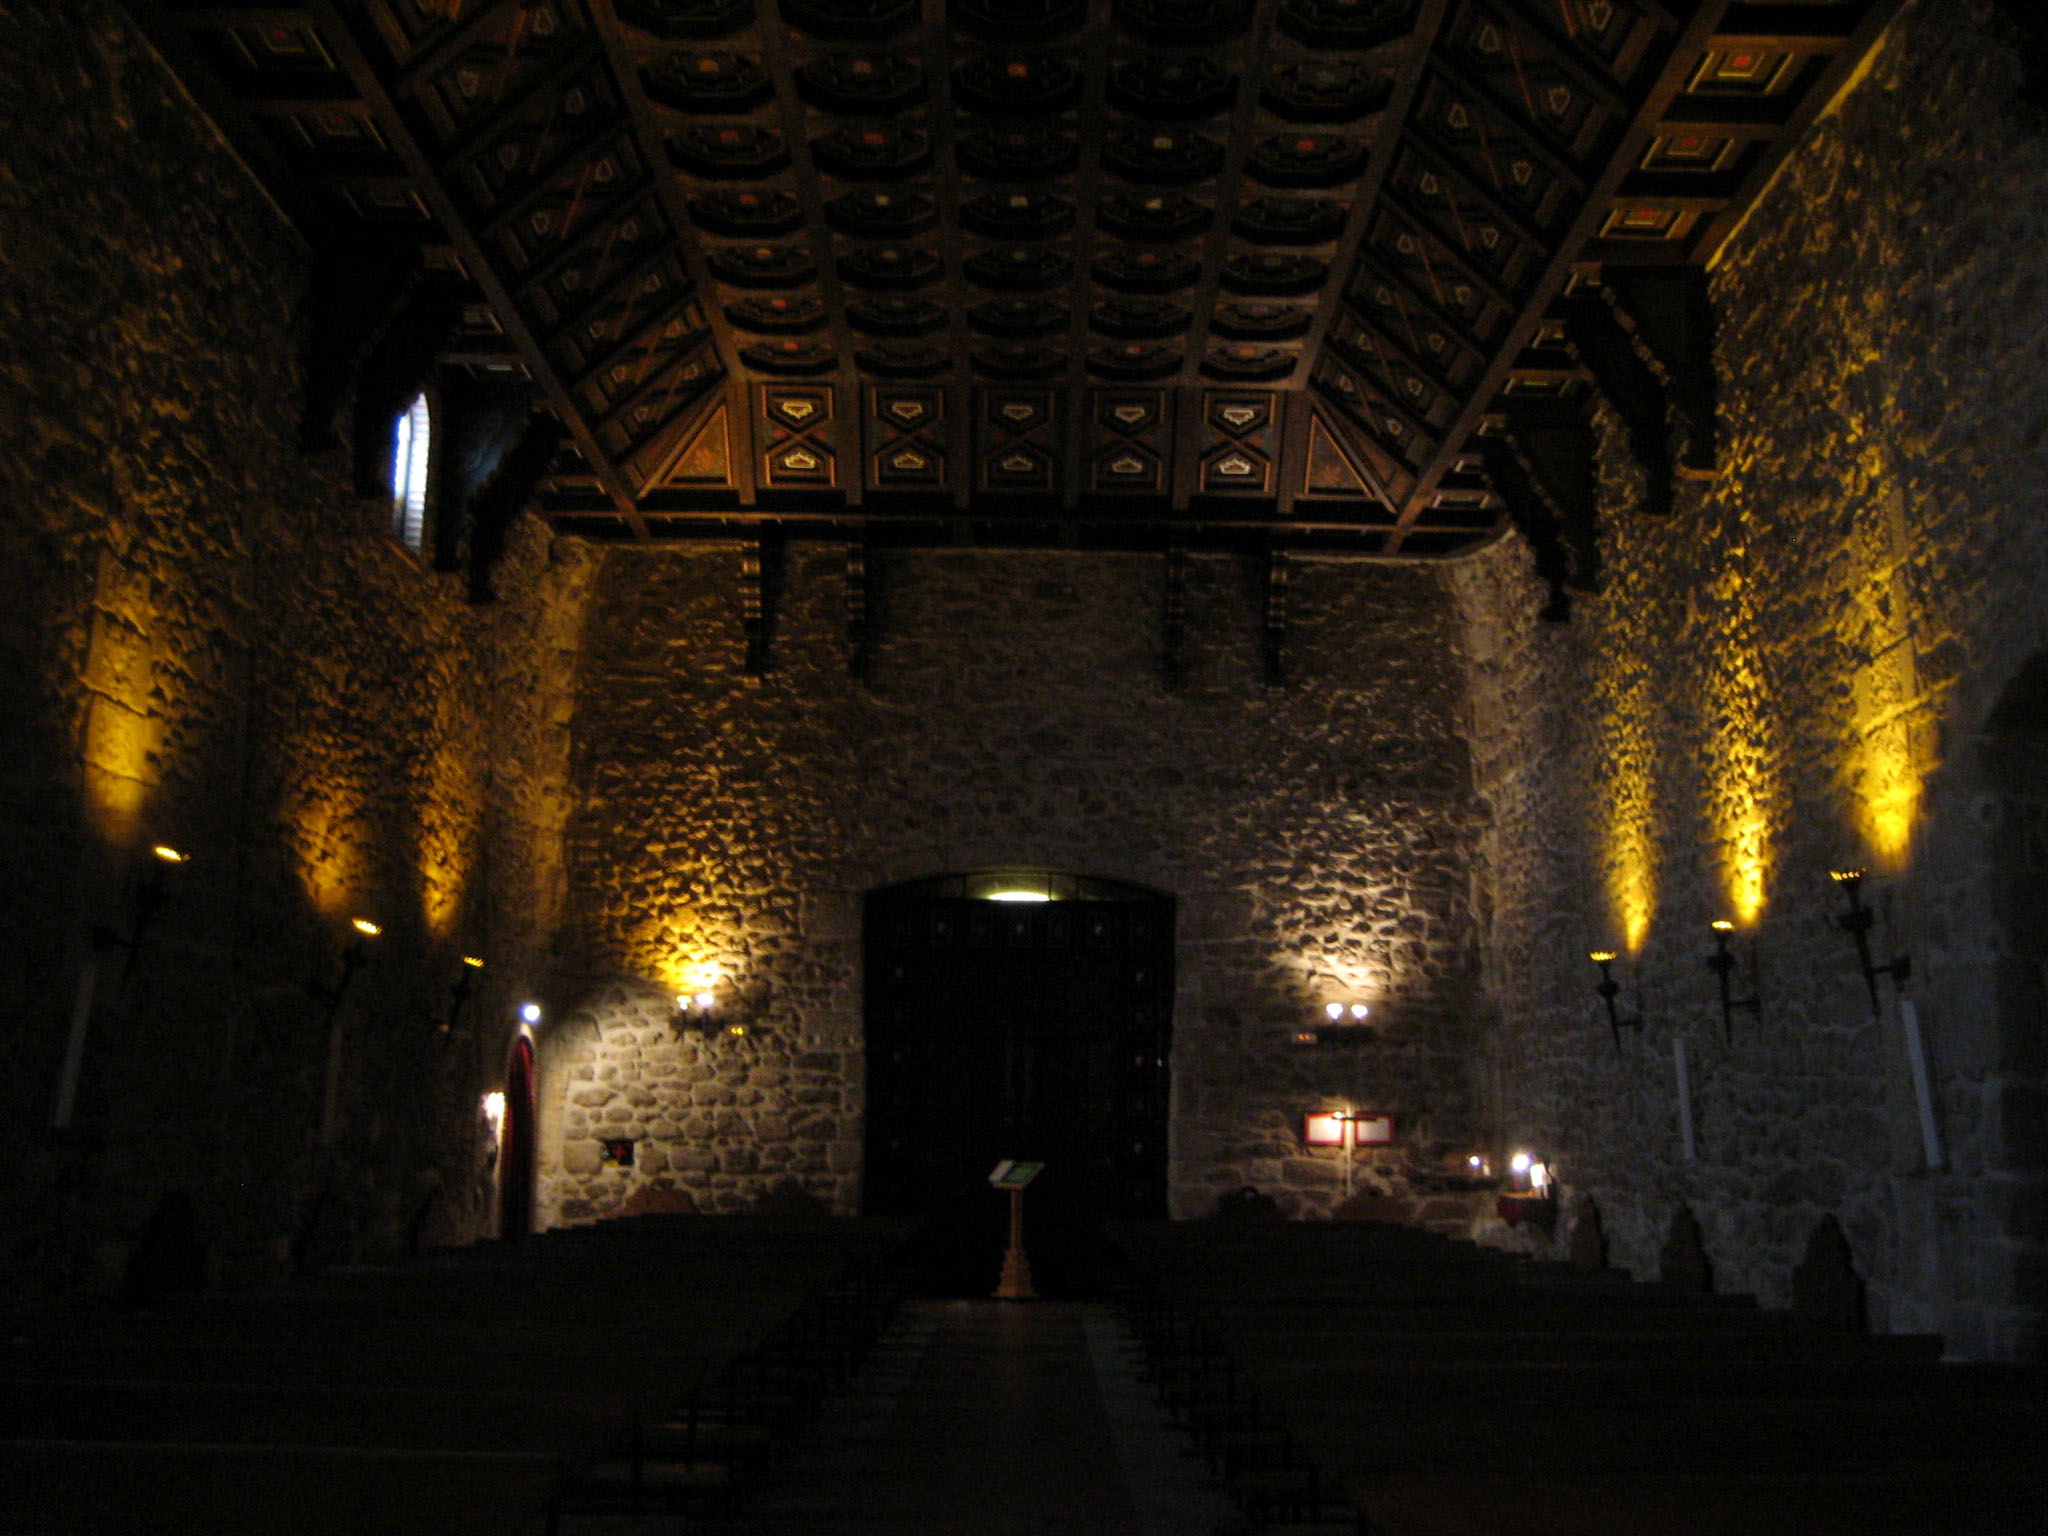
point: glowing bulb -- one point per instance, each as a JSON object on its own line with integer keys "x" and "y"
{"x": 530, "y": 1012}
{"x": 1601, "y": 956}
{"x": 682, "y": 1002}
{"x": 1475, "y": 1162}
{"x": 494, "y": 1109}
{"x": 704, "y": 1001}
{"x": 169, "y": 854}
{"x": 735, "y": 1030}
{"x": 1019, "y": 896}
{"x": 1722, "y": 925}
{"x": 1845, "y": 876}
{"x": 1335, "y": 1011}
{"x": 365, "y": 927}
{"x": 1520, "y": 1162}
{"x": 1359, "y": 1011}
{"x": 474, "y": 962}
{"x": 1539, "y": 1177}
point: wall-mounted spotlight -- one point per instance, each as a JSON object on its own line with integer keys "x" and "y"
{"x": 146, "y": 896}
{"x": 1608, "y": 990}
{"x": 354, "y": 956}
{"x": 459, "y": 993}
{"x": 1722, "y": 964}
{"x": 1857, "y": 922}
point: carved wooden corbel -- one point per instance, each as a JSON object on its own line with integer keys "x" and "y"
{"x": 1670, "y": 320}
{"x": 760, "y": 588}
{"x": 860, "y": 610}
{"x": 1273, "y": 621}
{"x": 1629, "y": 384}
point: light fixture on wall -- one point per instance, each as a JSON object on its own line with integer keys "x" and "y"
{"x": 493, "y": 1108}
{"x": 146, "y": 897}
{"x": 1343, "y": 1022}
{"x": 354, "y": 956}
{"x": 1857, "y": 922}
{"x": 1344, "y": 1128}
{"x": 1608, "y": 990}
{"x": 530, "y": 1014}
{"x": 1531, "y": 1195}
{"x": 699, "y": 1013}
{"x": 458, "y": 995}
{"x": 1722, "y": 963}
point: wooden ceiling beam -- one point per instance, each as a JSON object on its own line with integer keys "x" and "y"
{"x": 348, "y": 49}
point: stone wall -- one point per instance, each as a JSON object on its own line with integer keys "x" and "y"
{"x": 1316, "y": 839}
{"x": 1790, "y": 675}
{"x": 209, "y": 643}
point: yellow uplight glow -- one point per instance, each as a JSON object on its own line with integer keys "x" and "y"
{"x": 365, "y": 927}
{"x": 1625, "y": 722}
{"x": 168, "y": 854}
{"x": 1601, "y": 956}
{"x": 474, "y": 962}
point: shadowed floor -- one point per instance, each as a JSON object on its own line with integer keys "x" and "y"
{"x": 984, "y": 1418}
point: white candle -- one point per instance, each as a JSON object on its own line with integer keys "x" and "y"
{"x": 1685, "y": 1141}
{"x": 74, "y": 1045}
{"x": 1923, "y": 1089}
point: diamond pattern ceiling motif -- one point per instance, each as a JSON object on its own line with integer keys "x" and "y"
{"x": 1314, "y": 274}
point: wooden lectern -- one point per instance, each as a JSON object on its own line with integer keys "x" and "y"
{"x": 1014, "y": 1176}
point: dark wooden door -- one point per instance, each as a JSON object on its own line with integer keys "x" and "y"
{"x": 1035, "y": 1031}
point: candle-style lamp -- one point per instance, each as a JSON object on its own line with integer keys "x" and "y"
{"x": 146, "y": 896}
{"x": 458, "y": 995}
{"x": 1722, "y": 964}
{"x": 354, "y": 956}
{"x": 1857, "y": 923}
{"x": 1608, "y": 990}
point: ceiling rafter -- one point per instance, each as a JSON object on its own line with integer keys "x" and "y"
{"x": 685, "y": 235}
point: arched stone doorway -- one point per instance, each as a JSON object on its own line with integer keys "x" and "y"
{"x": 516, "y": 1157}
{"x": 1017, "y": 1015}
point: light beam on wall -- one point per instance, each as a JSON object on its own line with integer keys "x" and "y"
{"x": 1744, "y": 754}
{"x": 1626, "y": 743}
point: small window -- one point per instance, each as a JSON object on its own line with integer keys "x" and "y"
{"x": 410, "y": 446}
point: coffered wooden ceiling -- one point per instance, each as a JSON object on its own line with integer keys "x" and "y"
{"x": 1314, "y": 274}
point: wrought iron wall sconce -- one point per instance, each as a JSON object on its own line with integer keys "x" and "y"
{"x": 1722, "y": 964}
{"x": 458, "y": 995}
{"x": 353, "y": 958}
{"x": 146, "y": 896}
{"x": 1342, "y": 1128}
{"x": 1346, "y": 1026}
{"x": 1608, "y": 990}
{"x": 1857, "y": 923}
{"x": 699, "y": 1013}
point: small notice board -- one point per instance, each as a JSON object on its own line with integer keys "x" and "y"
{"x": 1011, "y": 1174}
